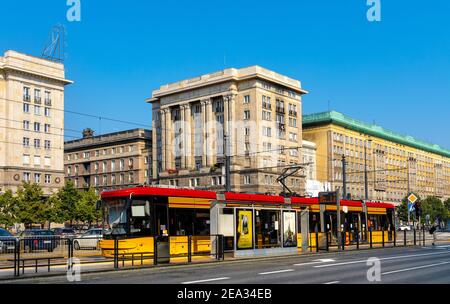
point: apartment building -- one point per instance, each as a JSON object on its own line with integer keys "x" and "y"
{"x": 253, "y": 114}
{"x": 31, "y": 122}
{"x": 110, "y": 161}
{"x": 396, "y": 164}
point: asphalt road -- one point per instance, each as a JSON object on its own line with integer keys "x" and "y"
{"x": 398, "y": 265}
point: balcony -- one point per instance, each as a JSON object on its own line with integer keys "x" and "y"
{"x": 26, "y": 98}
{"x": 293, "y": 113}
{"x": 281, "y": 126}
{"x": 280, "y": 110}
{"x": 48, "y": 102}
{"x": 37, "y": 100}
{"x": 267, "y": 106}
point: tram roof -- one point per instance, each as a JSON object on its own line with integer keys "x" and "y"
{"x": 229, "y": 196}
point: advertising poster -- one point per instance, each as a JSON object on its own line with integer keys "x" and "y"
{"x": 289, "y": 229}
{"x": 245, "y": 230}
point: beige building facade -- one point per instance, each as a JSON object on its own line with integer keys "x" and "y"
{"x": 253, "y": 114}
{"x": 31, "y": 122}
{"x": 110, "y": 161}
{"x": 396, "y": 164}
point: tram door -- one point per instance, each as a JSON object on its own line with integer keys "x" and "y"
{"x": 331, "y": 224}
{"x": 161, "y": 229}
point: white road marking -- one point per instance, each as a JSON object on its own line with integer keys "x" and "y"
{"x": 207, "y": 280}
{"x": 316, "y": 262}
{"x": 381, "y": 259}
{"x": 275, "y": 272}
{"x": 415, "y": 268}
{"x": 332, "y": 283}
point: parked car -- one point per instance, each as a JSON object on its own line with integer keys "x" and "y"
{"x": 65, "y": 232}
{"x": 404, "y": 228}
{"x": 89, "y": 239}
{"x": 37, "y": 239}
{"x": 7, "y": 241}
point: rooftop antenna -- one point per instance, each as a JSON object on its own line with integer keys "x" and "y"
{"x": 54, "y": 50}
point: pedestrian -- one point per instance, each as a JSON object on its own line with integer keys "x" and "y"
{"x": 433, "y": 231}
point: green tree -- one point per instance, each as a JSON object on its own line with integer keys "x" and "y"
{"x": 86, "y": 207}
{"x": 7, "y": 209}
{"x": 66, "y": 203}
{"x": 32, "y": 207}
{"x": 434, "y": 207}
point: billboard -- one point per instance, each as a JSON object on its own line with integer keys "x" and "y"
{"x": 289, "y": 230}
{"x": 245, "y": 230}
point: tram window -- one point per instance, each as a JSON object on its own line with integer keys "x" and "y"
{"x": 202, "y": 222}
{"x": 181, "y": 222}
{"x": 140, "y": 221}
{"x": 117, "y": 215}
{"x": 314, "y": 222}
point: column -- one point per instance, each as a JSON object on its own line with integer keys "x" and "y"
{"x": 233, "y": 137}
{"x": 183, "y": 136}
{"x": 204, "y": 156}
{"x": 189, "y": 157}
{"x": 226, "y": 111}
{"x": 169, "y": 140}
{"x": 163, "y": 139}
{"x": 155, "y": 144}
{"x": 209, "y": 133}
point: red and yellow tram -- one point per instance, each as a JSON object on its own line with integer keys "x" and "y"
{"x": 247, "y": 221}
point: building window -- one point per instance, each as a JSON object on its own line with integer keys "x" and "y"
{"x": 37, "y": 96}
{"x": 48, "y": 145}
{"x": 27, "y": 177}
{"x": 131, "y": 148}
{"x": 69, "y": 170}
{"x": 113, "y": 179}
{"x": 266, "y": 115}
{"x": 76, "y": 169}
{"x": 37, "y": 178}
{"x": 26, "y": 108}
{"x": 48, "y": 179}
{"x": 246, "y": 99}
{"x": 96, "y": 181}
{"x": 48, "y": 98}
{"x": 47, "y": 161}
{"x": 246, "y": 115}
{"x": 47, "y": 128}
{"x": 121, "y": 178}
{"x": 267, "y": 131}
{"x": 26, "y": 125}
{"x": 37, "y": 143}
{"x": 26, "y": 142}
{"x": 122, "y": 164}
{"x": 104, "y": 166}
{"x": 131, "y": 178}
{"x": 26, "y": 94}
{"x": 113, "y": 165}
{"x": 247, "y": 180}
{"x": 37, "y": 110}
{"x": 130, "y": 163}
{"x": 37, "y": 160}
{"x": 105, "y": 180}
{"x": 26, "y": 159}
{"x": 47, "y": 112}
{"x": 37, "y": 127}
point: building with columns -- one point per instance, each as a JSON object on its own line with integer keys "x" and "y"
{"x": 31, "y": 122}
{"x": 252, "y": 113}
{"x": 396, "y": 164}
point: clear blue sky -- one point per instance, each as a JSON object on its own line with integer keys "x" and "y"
{"x": 395, "y": 72}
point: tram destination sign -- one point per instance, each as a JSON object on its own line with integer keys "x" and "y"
{"x": 328, "y": 198}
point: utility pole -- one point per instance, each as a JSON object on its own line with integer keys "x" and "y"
{"x": 344, "y": 177}
{"x": 338, "y": 217}
{"x": 227, "y": 159}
